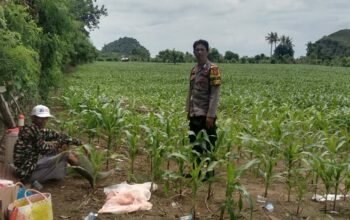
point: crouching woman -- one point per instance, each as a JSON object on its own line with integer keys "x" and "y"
{"x": 39, "y": 153}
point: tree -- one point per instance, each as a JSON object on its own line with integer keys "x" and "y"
{"x": 53, "y": 33}
{"x": 88, "y": 12}
{"x": 189, "y": 58}
{"x": 284, "y": 51}
{"x": 170, "y": 56}
{"x": 140, "y": 54}
{"x": 272, "y": 38}
{"x": 214, "y": 55}
{"x": 19, "y": 66}
{"x": 259, "y": 58}
{"x": 231, "y": 56}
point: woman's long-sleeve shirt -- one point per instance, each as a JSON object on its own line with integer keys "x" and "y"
{"x": 34, "y": 143}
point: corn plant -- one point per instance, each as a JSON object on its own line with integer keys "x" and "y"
{"x": 132, "y": 141}
{"x": 225, "y": 137}
{"x": 197, "y": 176}
{"x": 90, "y": 165}
{"x": 326, "y": 172}
{"x": 71, "y": 126}
{"x": 90, "y": 122}
{"x": 72, "y": 99}
{"x": 182, "y": 158}
{"x": 347, "y": 180}
{"x": 300, "y": 183}
{"x": 156, "y": 150}
{"x": 337, "y": 162}
{"x": 268, "y": 160}
{"x": 111, "y": 120}
{"x": 176, "y": 177}
{"x": 233, "y": 175}
{"x": 292, "y": 157}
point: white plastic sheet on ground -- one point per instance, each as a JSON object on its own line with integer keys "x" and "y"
{"x": 329, "y": 197}
{"x": 124, "y": 198}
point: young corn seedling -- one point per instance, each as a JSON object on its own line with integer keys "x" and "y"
{"x": 268, "y": 160}
{"x": 156, "y": 151}
{"x": 233, "y": 185}
{"x": 323, "y": 169}
{"x": 111, "y": 120}
{"x": 312, "y": 161}
{"x": 182, "y": 158}
{"x": 300, "y": 183}
{"x": 292, "y": 157}
{"x": 210, "y": 152}
{"x": 132, "y": 141}
{"x": 91, "y": 123}
{"x": 346, "y": 189}
{"x": 326, "y": 172}
{"x": 337, "y": 160}
{"x": 90, "y": 166}
{"x": 197, "y": 176}
{"x": 176, "y": 177}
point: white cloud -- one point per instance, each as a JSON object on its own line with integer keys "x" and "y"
{"x": 236, "y": 25}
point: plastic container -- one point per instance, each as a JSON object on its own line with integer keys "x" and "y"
{"x": 268, "y": 206}
{"x": 186, "y": 217}
{"x": 91, "y": 216}
{"x": 20, "y": 120}
{"x": 10, "y": 138}
{"x": 37, "y": 185}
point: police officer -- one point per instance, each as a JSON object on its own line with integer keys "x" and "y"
{"x": 203, "y": 96}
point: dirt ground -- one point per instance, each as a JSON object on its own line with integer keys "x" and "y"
{"x": 73, "y": 199}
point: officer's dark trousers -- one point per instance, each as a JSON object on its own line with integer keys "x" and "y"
{"x": 197, "y": 123}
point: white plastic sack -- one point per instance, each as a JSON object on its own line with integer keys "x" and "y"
{"x": 124, "y": 198}
{"x": 329, "y": 197}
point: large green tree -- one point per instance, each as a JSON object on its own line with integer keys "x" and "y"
{"x": 170, "y": 56}
{"x": 284, "y": 51}
{"x": 231, "y": 57}
{"x": 87, "y": 12}
{"x": 19, "y": 66}
{"x": 52, "y": 32}
{"x": 214, "y": 55}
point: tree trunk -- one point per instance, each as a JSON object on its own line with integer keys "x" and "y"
{"x": 6, "y": 113}
{"x": 271, "y": 51}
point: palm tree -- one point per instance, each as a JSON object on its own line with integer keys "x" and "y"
{"x": 272, "y": 38}
{"x": 285, "y": 46}
{"x": 275, "y": 39}
{"x": 287, "y": 41}
{"x": 283, "y": 39}
{"x": 269, "y": 39}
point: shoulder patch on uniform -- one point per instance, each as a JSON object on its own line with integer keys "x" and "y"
{"x": 215, "y": 77}
{"x": 193, "y": 72}
{"x": 193, "y": 69}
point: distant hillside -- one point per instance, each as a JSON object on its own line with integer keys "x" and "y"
{"x": 342, "y": 36}
{"x": 330, "y": 47}
{"x": 127, "y": 46}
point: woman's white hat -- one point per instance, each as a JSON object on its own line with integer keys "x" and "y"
{"x": 41, "y": 111}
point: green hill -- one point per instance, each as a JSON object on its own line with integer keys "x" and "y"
{"x": 335, "y": 45}
{"x": 342, "y": 36}
{"x": 126, "y": 46}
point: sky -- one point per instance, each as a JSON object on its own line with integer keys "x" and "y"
{"x": 239, "y": 26}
